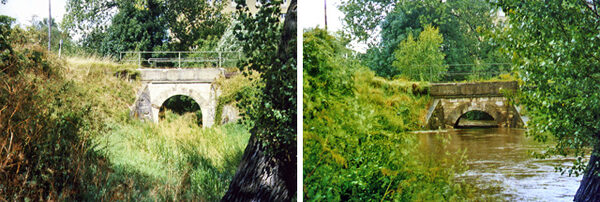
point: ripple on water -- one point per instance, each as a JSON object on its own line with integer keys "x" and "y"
{"x": 503, "y": 157}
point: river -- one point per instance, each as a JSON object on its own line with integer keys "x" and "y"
{"x": 501, "y": 157}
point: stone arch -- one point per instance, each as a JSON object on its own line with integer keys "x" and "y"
{"x": 202, "y": 99}
{"x": 486, "y": 107}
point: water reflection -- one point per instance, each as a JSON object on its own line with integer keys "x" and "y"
{"x": 504, "y": 156}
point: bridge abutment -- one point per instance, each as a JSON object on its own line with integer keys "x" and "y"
{"x": 162, "y": 84}
{"x": 453, "y": 100}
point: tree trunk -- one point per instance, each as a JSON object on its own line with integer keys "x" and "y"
{"x": 589, "y": 189}
{"x": 263, "y": 175}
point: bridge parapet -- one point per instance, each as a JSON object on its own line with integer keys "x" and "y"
{"x": 472, "y": 89}
{"x": 205, "y": 75}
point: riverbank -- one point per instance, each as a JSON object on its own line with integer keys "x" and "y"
{"x": 356, "y": 133}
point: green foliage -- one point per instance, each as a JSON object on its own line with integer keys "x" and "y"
{"x": 194, "y": 21}
{"x": 464, "y": 25}
{"x": 133, "y": 28}
{"x": 143, "y": 24}
{"x": 44, "y": 149}
{"x": 363, "y": 17}
{"x": 555, "y": 47}
{"x": 244, "y": 87}
{"x": 175, "y": 158}
{"x": 275, "y": 117}
{"x": 66, "y": 135}
{"x": 39, "y": 30}
{"x": 355, "y": 142}
{"x": 181, "y": 104}
{"x": 5, "y": 31}
{"x": 421, "y": 59}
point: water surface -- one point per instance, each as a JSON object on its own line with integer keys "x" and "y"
{"x": 503, "y": 157}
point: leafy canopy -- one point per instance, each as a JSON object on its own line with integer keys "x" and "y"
{"x": 555, "y": 46}
{"x": 464, "y": 25}
{"x": 275, "y": 117}
{"x": 110, "y": 26}
{"x": 421, "y": 59}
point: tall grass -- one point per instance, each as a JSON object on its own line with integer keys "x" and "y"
{"x": 65, "y": 134}
{"x": 178, "y": 157}
{"x": 172, "y": 160}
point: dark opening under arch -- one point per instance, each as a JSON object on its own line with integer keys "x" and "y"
{"x": 476, "y": 119}
{"x": 181, "y": 104}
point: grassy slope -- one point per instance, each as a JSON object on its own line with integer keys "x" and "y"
{"x": 358, "y": 149}
{"x": 172, "y": 160}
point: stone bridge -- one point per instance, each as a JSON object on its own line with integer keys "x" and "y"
{"x": 452, "y": 100}
{"x": 161, "y": 84}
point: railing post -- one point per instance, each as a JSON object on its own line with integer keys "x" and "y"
{"x": 219, "y": 59}
{"x": 179, "y": 53}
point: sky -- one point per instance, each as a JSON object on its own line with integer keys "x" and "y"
{"x": 311, "y": 14}
{"x": 23, "y": 10}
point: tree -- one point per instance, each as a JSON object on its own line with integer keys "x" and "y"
{"x": 268, "y": 168}
{"x": 464, "y": 25}
{"x": 39, "y": 30}
{"x": 421, "y": 59}
{"x": 111, "y": 26}
{"x": 192, "y": 22}
{"x": 134, "y": 27}
{"x": 555, "y": 47}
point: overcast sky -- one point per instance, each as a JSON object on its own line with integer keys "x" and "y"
{"x": 23, "y": 10}
{"x": 311, "y": 14}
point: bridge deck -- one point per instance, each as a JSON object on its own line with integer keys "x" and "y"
{"x": 204, "y": 75}
{"x": 473, "y": 89}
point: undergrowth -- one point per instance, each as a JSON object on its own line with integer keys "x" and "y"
{"x": 179, "y": 159}
{"x": 65, "y": 134}
{"x": 356, "y": 145}
{"x": 175, "y": 159}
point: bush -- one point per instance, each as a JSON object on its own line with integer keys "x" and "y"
{"x": 44, "y": 154}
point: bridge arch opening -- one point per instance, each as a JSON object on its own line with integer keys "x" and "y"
{"x": 181, "y": 105}
{"x": 476, "y": 119}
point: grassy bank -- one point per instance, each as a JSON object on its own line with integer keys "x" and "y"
{"x": 174, "y": 159}
{"x": 67, "y": 135}
{"x": 356, "y": 145}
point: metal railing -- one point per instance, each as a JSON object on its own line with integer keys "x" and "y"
{"x": 458, "y": 72}
{"x": 181, "y": 59}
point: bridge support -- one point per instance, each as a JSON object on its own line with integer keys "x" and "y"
{"x": 445, "y": 113}
{"x": 452, "y": 100}
{"x": 162, "y": 84}
{"x": 153, "y": 95}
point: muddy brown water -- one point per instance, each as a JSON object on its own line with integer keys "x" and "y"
{"x": 502, "y": 157}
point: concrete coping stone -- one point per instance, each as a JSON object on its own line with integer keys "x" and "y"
{"x": 196, "y": 74}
